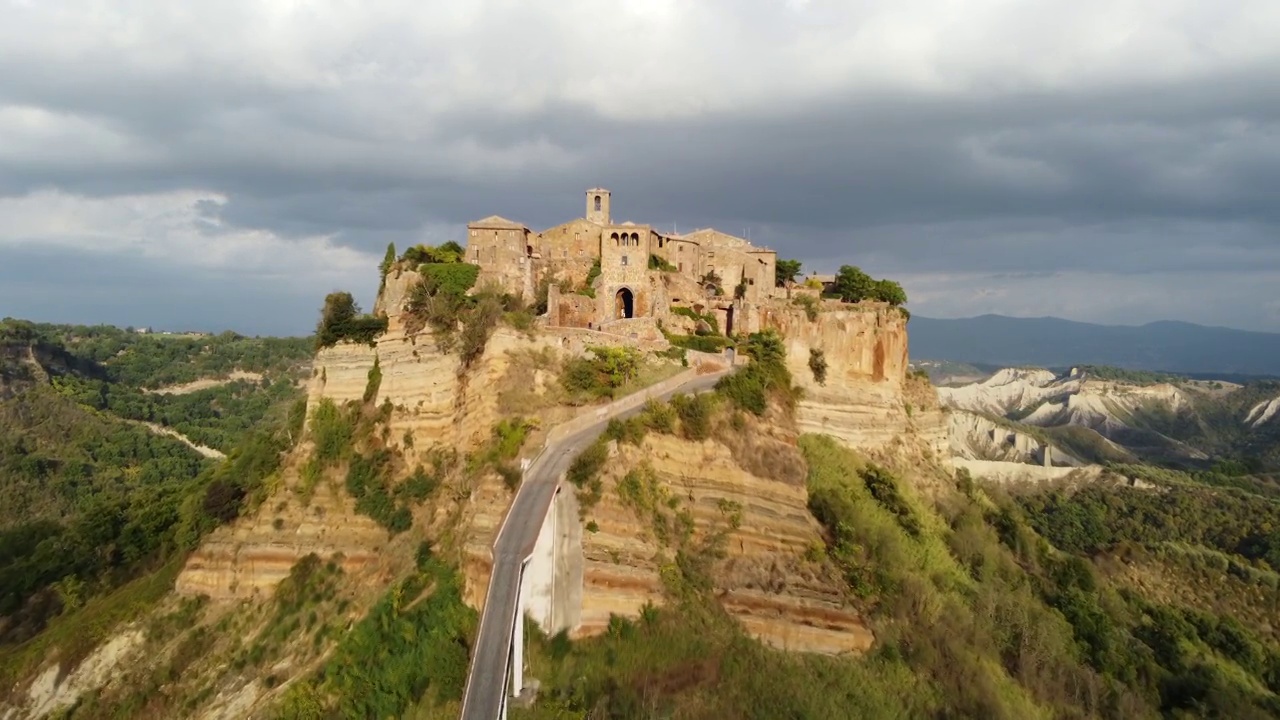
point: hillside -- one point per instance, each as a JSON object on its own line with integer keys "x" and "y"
{"x": 1052, "y": 342}
{"x": 1105, "y": 414}
{"x": 96, "y": 475}
{"x": 794, "y": 543}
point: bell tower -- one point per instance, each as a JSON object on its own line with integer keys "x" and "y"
{"x": 598, "y": 206}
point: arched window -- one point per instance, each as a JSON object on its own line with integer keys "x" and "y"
{"x": 597, "y": 203}
{"x": 659, "y": 242}
{"x": 614, "y": 238}
{"x": 635, "y": 239}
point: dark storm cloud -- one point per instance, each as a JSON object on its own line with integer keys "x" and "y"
{"x": 1003, "y": 180}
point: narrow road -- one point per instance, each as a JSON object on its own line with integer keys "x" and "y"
{"x": 488, "y": 678}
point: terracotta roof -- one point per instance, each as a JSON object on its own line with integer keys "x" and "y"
{"x": 494, "y": 221}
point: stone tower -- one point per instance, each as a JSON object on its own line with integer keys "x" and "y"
{"x": 598, "y": 206}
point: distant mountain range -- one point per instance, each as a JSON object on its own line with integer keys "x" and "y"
{"x": 1177, "y": 347}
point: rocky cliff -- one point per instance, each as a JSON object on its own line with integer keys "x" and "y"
{"x": 866, "y": 400}
{"x": 765, "y": 534}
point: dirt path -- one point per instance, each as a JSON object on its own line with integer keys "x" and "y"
{"x": 170, "y": 432}
{"x": 205, "y": 383}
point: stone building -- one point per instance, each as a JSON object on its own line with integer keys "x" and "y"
{"x": 707, "y": 271}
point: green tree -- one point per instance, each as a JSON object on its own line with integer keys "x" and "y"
{"x": 786, "y": 271}
{"x": 853, "y": 285}
{"x": 388, "y": 260}
{"x": 890, "y": 292}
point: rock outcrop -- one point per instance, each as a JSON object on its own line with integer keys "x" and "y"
{"x": 864, "y": 400}
{"x": 764, "y": 578}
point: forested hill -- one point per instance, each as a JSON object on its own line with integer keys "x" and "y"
{"x": 1052, "y": 342}
{"x": 92, "y": 491}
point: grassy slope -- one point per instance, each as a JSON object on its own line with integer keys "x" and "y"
{"x": 976, "y": 615}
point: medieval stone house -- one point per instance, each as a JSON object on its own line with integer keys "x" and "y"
{"x": 710, "y": 272}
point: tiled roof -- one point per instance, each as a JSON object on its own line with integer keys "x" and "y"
{"x": 495, "y": 221}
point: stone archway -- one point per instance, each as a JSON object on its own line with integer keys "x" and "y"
{"x": 624, "y": 304}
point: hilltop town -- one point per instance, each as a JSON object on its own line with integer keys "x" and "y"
{"x": 629, "y": 277}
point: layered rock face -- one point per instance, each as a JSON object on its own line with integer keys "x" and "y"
{"x": 865, "y": 401}
{"x": 249, "y": 557}
{"x": 433, "y": 405}
{"x": 764, "y": 580}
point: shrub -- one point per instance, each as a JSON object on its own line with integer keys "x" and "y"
{"x": 588, "y": 285}
{"x": 332, "y": 430}
{"x": 587, "y": 466}
{"x": 608, "y": 369}
{"x": 750, "y": 387}
{"x": 340, "y": 319}
{"x": 695, "y": 412}
{"x": 450, "y": 278}
{"x": 708, "y": 318}
{"x": 375, "y": 381}
{"x": 818, "y": 365}
{"x": 657, "y": 262}
{"x": 476, "y": 329}
{"x": 810, "y": 305}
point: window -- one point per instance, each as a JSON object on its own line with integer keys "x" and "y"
{"x": 751, "y": 281}
{"x": 681, "y": 267}
{"x": 597, "y": 203}
{"x": 624, "y": 259}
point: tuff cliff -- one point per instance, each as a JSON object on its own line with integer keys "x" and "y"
{"x": 867, "y": 400}
{"x": 767, "y": 571}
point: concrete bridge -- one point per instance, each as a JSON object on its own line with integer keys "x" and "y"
{"x": 537, "y": 556}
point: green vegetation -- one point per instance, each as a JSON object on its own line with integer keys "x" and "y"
{"x": 440, "y": 299}
{"x": 588, "y": 286}
{"x": 976, "y": 614}
{"x": 657, "y": 262}
{"x": 786, "y": 271}
{"x": 584, "y": 472}
{"x": 810, "y": 305}
{"x": 818, "y": 365}
{"x": 340, "y": 319}
{"x": 446, "y": 254}
{"x": 854, "y": 285}
{"x": 1131, "y": 377}
{"x": 1098, "y": 518}
{"x": 601, "y": 375}
{"x": 765, "y": 377}
{"x": 713, "y": 326}
{"x": 90, "y": 501}
{"x": 699, "y": 343}
{"x": 388, "y": 263}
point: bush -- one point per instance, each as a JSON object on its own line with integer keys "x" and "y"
{"x": 818, "y": 365}
{"x": 810, "y": 305}
{"x": 766, "y": 374}
{"x": 477, "y": 326}
{"x": 375, "y": 381}
{"x": 695, "y": 413}
{"x": 450, "y": 278}
{"x": 589, "y": 463}
{"x": 608, "y": 369}
{"x": 340, "y": 319}
{"x": 659, "y": 263}
{"x": 332, "y": 430}
{"x": 588, "y": 286}
{"x": 708, "y": 318}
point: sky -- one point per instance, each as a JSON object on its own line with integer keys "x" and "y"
{"x": 224, "y": 164}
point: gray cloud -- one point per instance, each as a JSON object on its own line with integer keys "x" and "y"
{"x": 1020, "y": 155}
